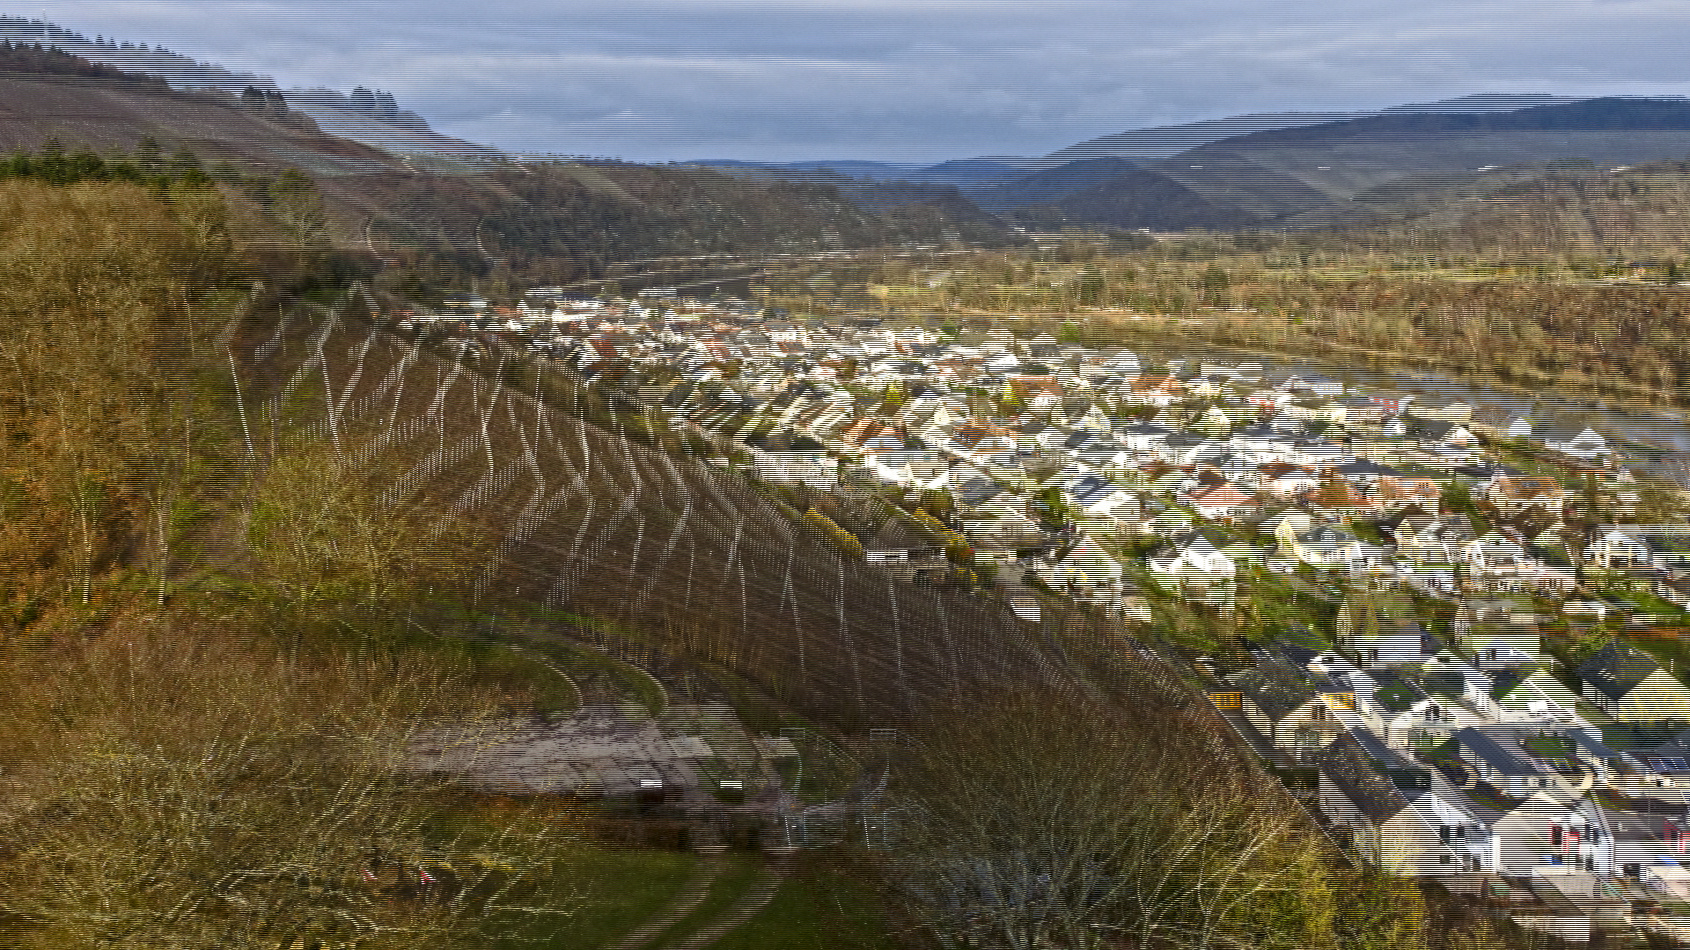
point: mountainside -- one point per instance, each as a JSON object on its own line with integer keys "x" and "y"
{"x": 973, "y": 172}
{"x": 378, "y": 122}
{"x": 1056, "y": 183}
{"x": 1144, "y": 199}
{"x": 1169, "y": 140}
{"x": 1631, "y": 214}
{"x": 563, "y": 220}
{"x": 630, "y": 535}
{"x": 1611, "y": 114}
{"x": 1166, "y": 141}
{"x": 116, "y": 111}
{"x": 1415, "y": 159}
{"x": 969, "y": 174}
{"x": 1342, "y": 159}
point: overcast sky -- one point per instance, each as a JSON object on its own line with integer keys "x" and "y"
{"x": 898, "y": 80}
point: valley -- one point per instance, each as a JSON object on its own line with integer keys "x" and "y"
{"x": 1265, "y": 531}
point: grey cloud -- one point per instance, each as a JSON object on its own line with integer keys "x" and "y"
{"x": 899, "y": 79}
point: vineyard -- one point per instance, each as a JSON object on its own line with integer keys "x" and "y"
{"x": 607, "y": 539}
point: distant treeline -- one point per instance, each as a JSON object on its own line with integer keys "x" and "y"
{"x": 36, "y": 58}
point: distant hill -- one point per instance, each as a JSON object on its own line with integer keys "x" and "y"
{"x": 377, "y": 121}
{"x": 1413, "y": 158}
{"x": 1341, "y": 160}
{"x": 829, "y": 171}
{"x": 107, "y": 110}
{"x": 459, "y": 214}
{"x": 1634, "y": 213}
{"x": 1169, "y": 140}
{"x": 1166, "y": 141}
{"x": 965, "y": 173}
{"x": 1142, "y": 198}
{"x": 973, "y": 172}
{"x": 1603, "y": 115}
{"x": 1053, "y": 184}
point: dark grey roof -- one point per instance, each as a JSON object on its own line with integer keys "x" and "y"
{"x": 1617, "y": 668}
{"x": 1374, "y": 792}
{"x": 1503, "y": 755}
{"x": 1278, "y": 692}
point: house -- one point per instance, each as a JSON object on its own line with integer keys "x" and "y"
{"x": 1169, "y": 523}
{"x": 1440, "y": 542}
{"x": 1339, "y": 501}
{"x": 1407, "y": 716}
{"x": 1641, "y": 841}
{"x": 914, "y": 468}
{"x": 1533, "y": 696}
{"x": 1587, "y": 445}
{"x": 901, "y": 541}
{"x": 1395, "y": 815}
{"x": 980, "y": 439}
{"x": 1141, "y": 437}
{"x": 1397, "y": 491}
{"x": 1212, "y": 422}
{"x": 1363, "y": 474}
{"x": 1675, "y": 591}
{"x": 785, "y": 456}
{"x": 1287, "y": 708}
{"x": 1550, "y": 831}
{"x": 1085, "y": 571}
{"x": 1446, "y": 674}
{"x": 1222, "y": 502}
{"x": 1501, "y": 763}
{"x": 1104, "y": 506}
{"x": 1629, "y": 685}
{"x": 1616, "y": 550}
{"x": 1196, "y": 569}
{"x": 1497, "y": 634}
{"x": 1660, "y": 751}
{"x": 998, "y": 519}
{"x": 1380, "y": 632}
{"x": 1284, "y": 526}
{"x": 1492, "y": 554}
{"x": 1513, "y": 494}
{"x": 1441, "y": 434}
{"x": 1124, "y": 363}
{"x": 1330, "y": 548}
{"x": 1286, "y": 480}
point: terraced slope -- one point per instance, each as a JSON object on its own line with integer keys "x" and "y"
{"x": 592, "y": 524}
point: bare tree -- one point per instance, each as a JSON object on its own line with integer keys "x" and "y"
{"x": 320, "y": 535}
{"x": 223, "y": 796}
{"x": 1043, "y": 819}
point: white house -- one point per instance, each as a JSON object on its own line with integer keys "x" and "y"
{"x": 1087, "y": 571}
{"x": 1380, "y": 633}
{"x": 1396, "y": 816}
{"x": 1629, "y": 685}
{"x": 1534, "y": 696}
{"x": 1587, "y": 445}
{"x": 1198, "y": 570}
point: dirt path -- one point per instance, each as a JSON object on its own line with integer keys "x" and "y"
{"x": 748, "y": 905}
{"x": 692, "y": 894}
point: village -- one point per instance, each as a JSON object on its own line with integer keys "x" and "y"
{"x": 1451, "y": 631}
